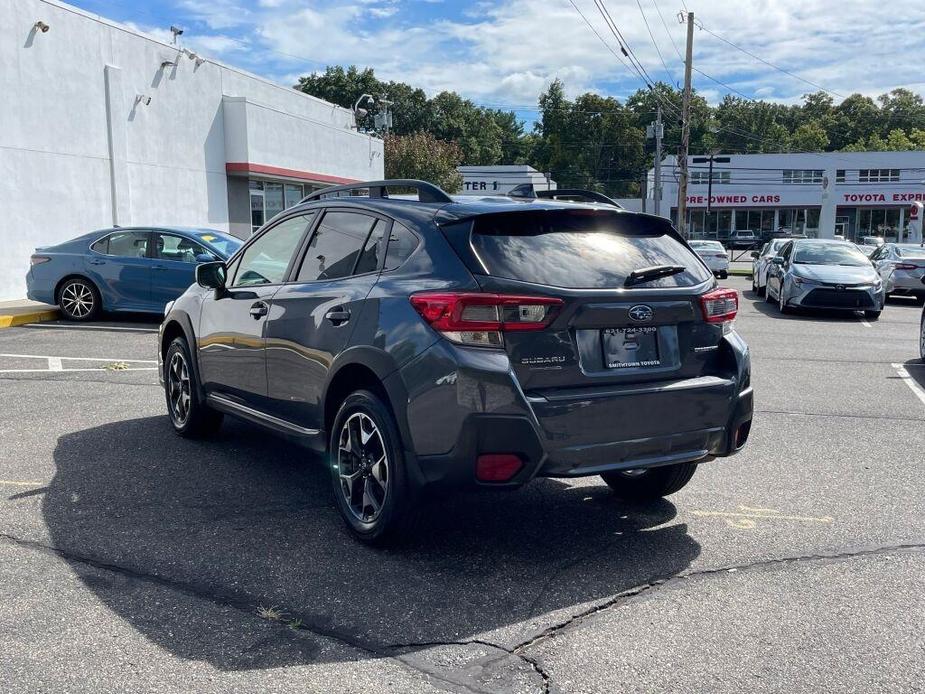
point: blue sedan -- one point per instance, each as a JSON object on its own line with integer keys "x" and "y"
{"x": 123, "y": 269}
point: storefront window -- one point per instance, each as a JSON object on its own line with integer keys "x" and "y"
{"x": 293, "y": 194}
{"x": 273, "y": 199}
{"x": 873, "y": 221}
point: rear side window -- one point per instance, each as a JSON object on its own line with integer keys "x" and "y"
{"x": 373, "y": 250}
{"x": 335, "y": 246}
{"x": 402, "y": 244}
{"x": 581, "y": 250}
{"x": 125, "y": 244}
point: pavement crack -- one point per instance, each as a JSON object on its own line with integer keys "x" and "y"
{"x": 654, "y": 583}
{"x": 237, "y": 602}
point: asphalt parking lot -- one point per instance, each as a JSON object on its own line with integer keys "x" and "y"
{"x": 133, "y": 560}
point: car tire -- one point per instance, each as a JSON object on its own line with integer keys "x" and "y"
{"x": 724, "y": 275}
{"x": 190, "y": 416}
{"x": 371, "y": 489}
{"x": 782, "y": 302}
{"x": 872, "y": 315}
{"x": 79, "y": 299}
{"x": 922, "y": 337}
{"x": 651, "y": 483}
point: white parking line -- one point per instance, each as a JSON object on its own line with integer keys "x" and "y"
{"x": 68, "y": 326}
{"x": 865, "y": 323}
{"x": 106, "y": 359}
{"x": 56, "y": 364}
{"x": 909, "y": 381}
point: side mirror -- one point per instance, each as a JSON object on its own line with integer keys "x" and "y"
{"x": 204, "y": 258}
{"x": 755, "y": 254}
{"x": 211, "y": 275}
{"x": 777, "y": 260}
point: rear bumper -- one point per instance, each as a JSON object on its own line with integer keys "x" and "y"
{"x": 462, "y": 403}
{"x": 909, "y": 284}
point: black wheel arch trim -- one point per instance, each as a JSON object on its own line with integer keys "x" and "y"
{"x": 182, "y": 319}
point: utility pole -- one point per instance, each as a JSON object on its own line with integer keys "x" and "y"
{"x": 685, "y": 128}
{"x": 382, "y": 121}
{"x": 656, "y": 130}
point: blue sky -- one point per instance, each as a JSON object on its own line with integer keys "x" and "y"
{"x": 505, "y": 52}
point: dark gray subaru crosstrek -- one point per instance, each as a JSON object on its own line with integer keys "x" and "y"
{"x": 440, "y": 342}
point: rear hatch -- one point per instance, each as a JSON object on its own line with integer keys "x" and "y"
{"x": 611, "y": 329}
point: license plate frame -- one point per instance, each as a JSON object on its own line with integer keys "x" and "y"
{"x": 630, "y": 348}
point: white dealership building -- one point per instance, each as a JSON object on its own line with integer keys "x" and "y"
{"x": 854, "y": 194}
{"x": 103, "y": 125}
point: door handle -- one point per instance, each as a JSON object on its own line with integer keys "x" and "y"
{"x": 158, "y": 267}
{"x": 338, "y": 315}
{"x": 259, "y": 310}
{"x": 97, "y": 261}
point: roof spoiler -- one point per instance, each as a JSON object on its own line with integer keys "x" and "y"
{"x": 527, "y": 191}
{"x": 427, "y": 192}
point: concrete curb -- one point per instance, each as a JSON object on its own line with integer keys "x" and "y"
{"x": 9, "y": 320}
{"x": 741, "y": 273}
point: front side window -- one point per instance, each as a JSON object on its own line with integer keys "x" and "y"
{"x": 125, "y": 244}
{"x": 335, "y": 246}
{"x": 265, "y": 261}
{"x": 178, "y": 249}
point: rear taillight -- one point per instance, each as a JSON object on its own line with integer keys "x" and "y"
{"x": 905, "y": 266}
{"x": 497, "y": 467}
{"x": 720, "y": 305}
{"x": 477, "y": 319}
{"x": 39, "y": 259}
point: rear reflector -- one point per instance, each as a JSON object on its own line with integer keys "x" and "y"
{"x": 720, "y": 305}
{"x": 473, "y": 318}
{"x": 497, "y": 467}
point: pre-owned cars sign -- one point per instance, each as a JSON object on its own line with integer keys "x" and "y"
{"x": 805, "y": 197}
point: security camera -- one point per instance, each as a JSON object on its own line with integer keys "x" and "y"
{"x": 41, "y": 26}
{"x": 176, "y": 30}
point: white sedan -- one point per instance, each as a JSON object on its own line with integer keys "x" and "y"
{"x": 714, "y": 255}
{"x": 761, "y": 260}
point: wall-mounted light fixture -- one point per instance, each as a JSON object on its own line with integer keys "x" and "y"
{"x": 168, "y": 63}
{"x": 41, "y": 26}
{"x": 192, "y": 55}
{"x": 142, "y": 99}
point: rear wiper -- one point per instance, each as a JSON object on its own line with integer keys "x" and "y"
{"x": 646, "y": 274}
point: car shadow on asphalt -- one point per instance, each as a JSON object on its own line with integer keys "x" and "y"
{"x": 761, "y": 304}
{"x": 246, "y": 520}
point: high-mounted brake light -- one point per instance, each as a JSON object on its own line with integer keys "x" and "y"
{"x": 473, "y": 318}
{"x": 720, "y": 305}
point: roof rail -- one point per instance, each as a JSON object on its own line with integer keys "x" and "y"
{"x": 526, "y": 190}
{"x": 427, "y": 192}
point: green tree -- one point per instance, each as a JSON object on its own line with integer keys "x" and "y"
{"x": 423, "y": 156}
{"x": 810, "y": 137}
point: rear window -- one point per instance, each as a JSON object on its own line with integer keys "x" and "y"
{"x": 581, "y": 250}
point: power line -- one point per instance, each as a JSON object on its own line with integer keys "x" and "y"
{"x": 670, "y": 37}
{"x": 624, "y": 44}
{"x": 768, "y": 63}
{"x": 654, "y": 42}
{"x": 722, "y": 84}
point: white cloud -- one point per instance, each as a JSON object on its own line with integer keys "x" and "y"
{"x": 507, "y": 51}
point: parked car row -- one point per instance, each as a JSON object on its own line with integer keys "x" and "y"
{"x": 137, "y": 269}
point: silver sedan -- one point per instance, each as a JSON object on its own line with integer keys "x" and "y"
{"x": 901, "y": 267}
{"x": 816, "y": 273}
